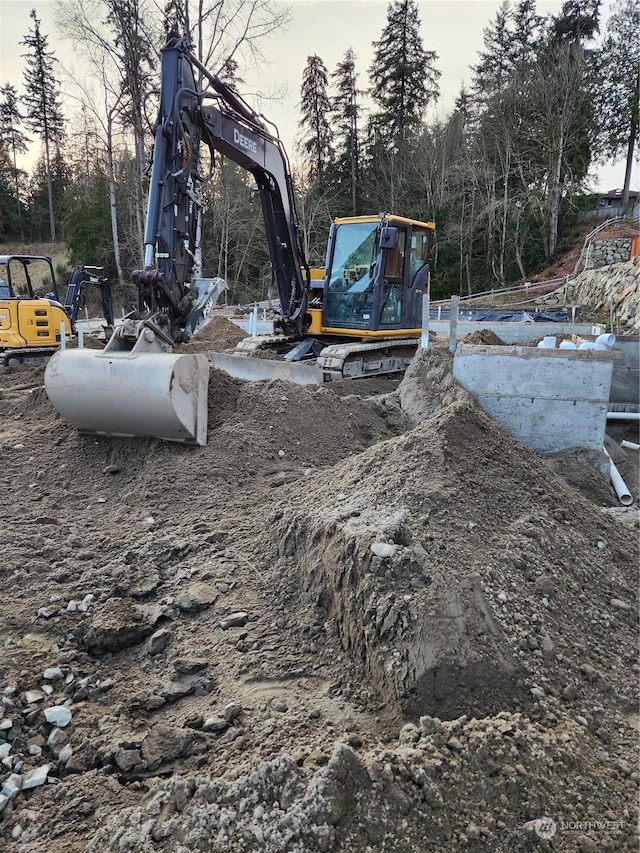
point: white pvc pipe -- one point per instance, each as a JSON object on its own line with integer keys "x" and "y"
{"x": 630, "y": 445}
{"x": 623, "y": 416}
{"x": 619, "y": 485}
{"x": 606, "y": 340}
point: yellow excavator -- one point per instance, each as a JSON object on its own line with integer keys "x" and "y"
{"x": 360, "y": 316}
{"x": 32, "y": 320}
{"x": 33, "y": 317}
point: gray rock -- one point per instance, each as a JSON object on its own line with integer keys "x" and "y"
{"x": 53, "y": 673}
{"x": 166, "y": 743}
{"x": 58, "y": 715}
{"x": 36, "y": 777}
{"x": 159, "y": 641}
{"x": 187, "y": 666}
{"x": 65, "y": 753}
{"x": 46, "y": 612}
{"x": 12, "y": 785}
{"x": 232, "y": 711}
{"x": 57, "y": 739}
{"x": 384, "y": 550}
{"x": 197, "y": 596}
{"x": 235, "y": 620}
{"x": 215, "y": 724}
{"x": 33, "y": 696}
{"x": 127, "y": 759}
{"x": 619, "y": 604}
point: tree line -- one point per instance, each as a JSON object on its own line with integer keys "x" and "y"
{"x": 503, "y": 175}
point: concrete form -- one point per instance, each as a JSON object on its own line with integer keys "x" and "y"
{"x": 625, "y": 382}
{"x": 550, "y": 399}
{"x": 512, "y": 333}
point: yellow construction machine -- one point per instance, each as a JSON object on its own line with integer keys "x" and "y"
{"x": 358, "y": 317}
{"x": 32, "y": 318}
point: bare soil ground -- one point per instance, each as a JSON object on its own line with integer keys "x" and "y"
{"x": 362, "y": 618}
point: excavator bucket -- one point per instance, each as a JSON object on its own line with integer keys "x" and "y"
{"x": 143, "y": 391}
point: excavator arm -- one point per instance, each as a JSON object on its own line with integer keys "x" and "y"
{"x": 193, "y": 115}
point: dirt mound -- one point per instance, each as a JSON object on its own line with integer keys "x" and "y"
{"x": 483, "y": 336}
{"x": 219, "y": 335}
{"x": 361, "y": 618}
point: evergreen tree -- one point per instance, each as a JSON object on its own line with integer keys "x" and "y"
{"x": 403, "y": 76}
{"x": 345, "y": 114}
{"x": 45, "y": 183}
{"x": 493, "y": 71}
{"x": 42, "y": 100}
{"x": 175, "y": 20}
{"x": 87, "y": 228}
{"x": 9, "y": 223}
{"x": 315, "y": 107}
{"x": 14, "y": 141}
{"x": 577, "y": 21}
{"x": 86, "y": 220}
{"x": 617, "y": 92}
{"x": 527, "y": 32}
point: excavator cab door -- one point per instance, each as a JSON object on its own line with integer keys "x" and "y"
{"x": 392, "y": 284}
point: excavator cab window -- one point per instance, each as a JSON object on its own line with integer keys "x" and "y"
{"x": 419, "y": 256}
{"x": 349, "y": 300}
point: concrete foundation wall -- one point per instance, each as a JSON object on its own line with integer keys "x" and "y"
{"x": 551, "y": 400}
{"x": 512, "y": 333}
{"x": 625, "y": 382}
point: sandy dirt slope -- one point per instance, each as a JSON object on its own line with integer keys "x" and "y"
{"x": 362, "y": 618}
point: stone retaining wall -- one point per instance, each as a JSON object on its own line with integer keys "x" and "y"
{"x": 612, "y": 289}
{"x": 603, "y": 253}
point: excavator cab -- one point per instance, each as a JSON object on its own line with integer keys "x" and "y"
{"x": 377, "y": 272}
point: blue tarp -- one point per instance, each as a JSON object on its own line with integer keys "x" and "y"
{"x": 487, "y": 316}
